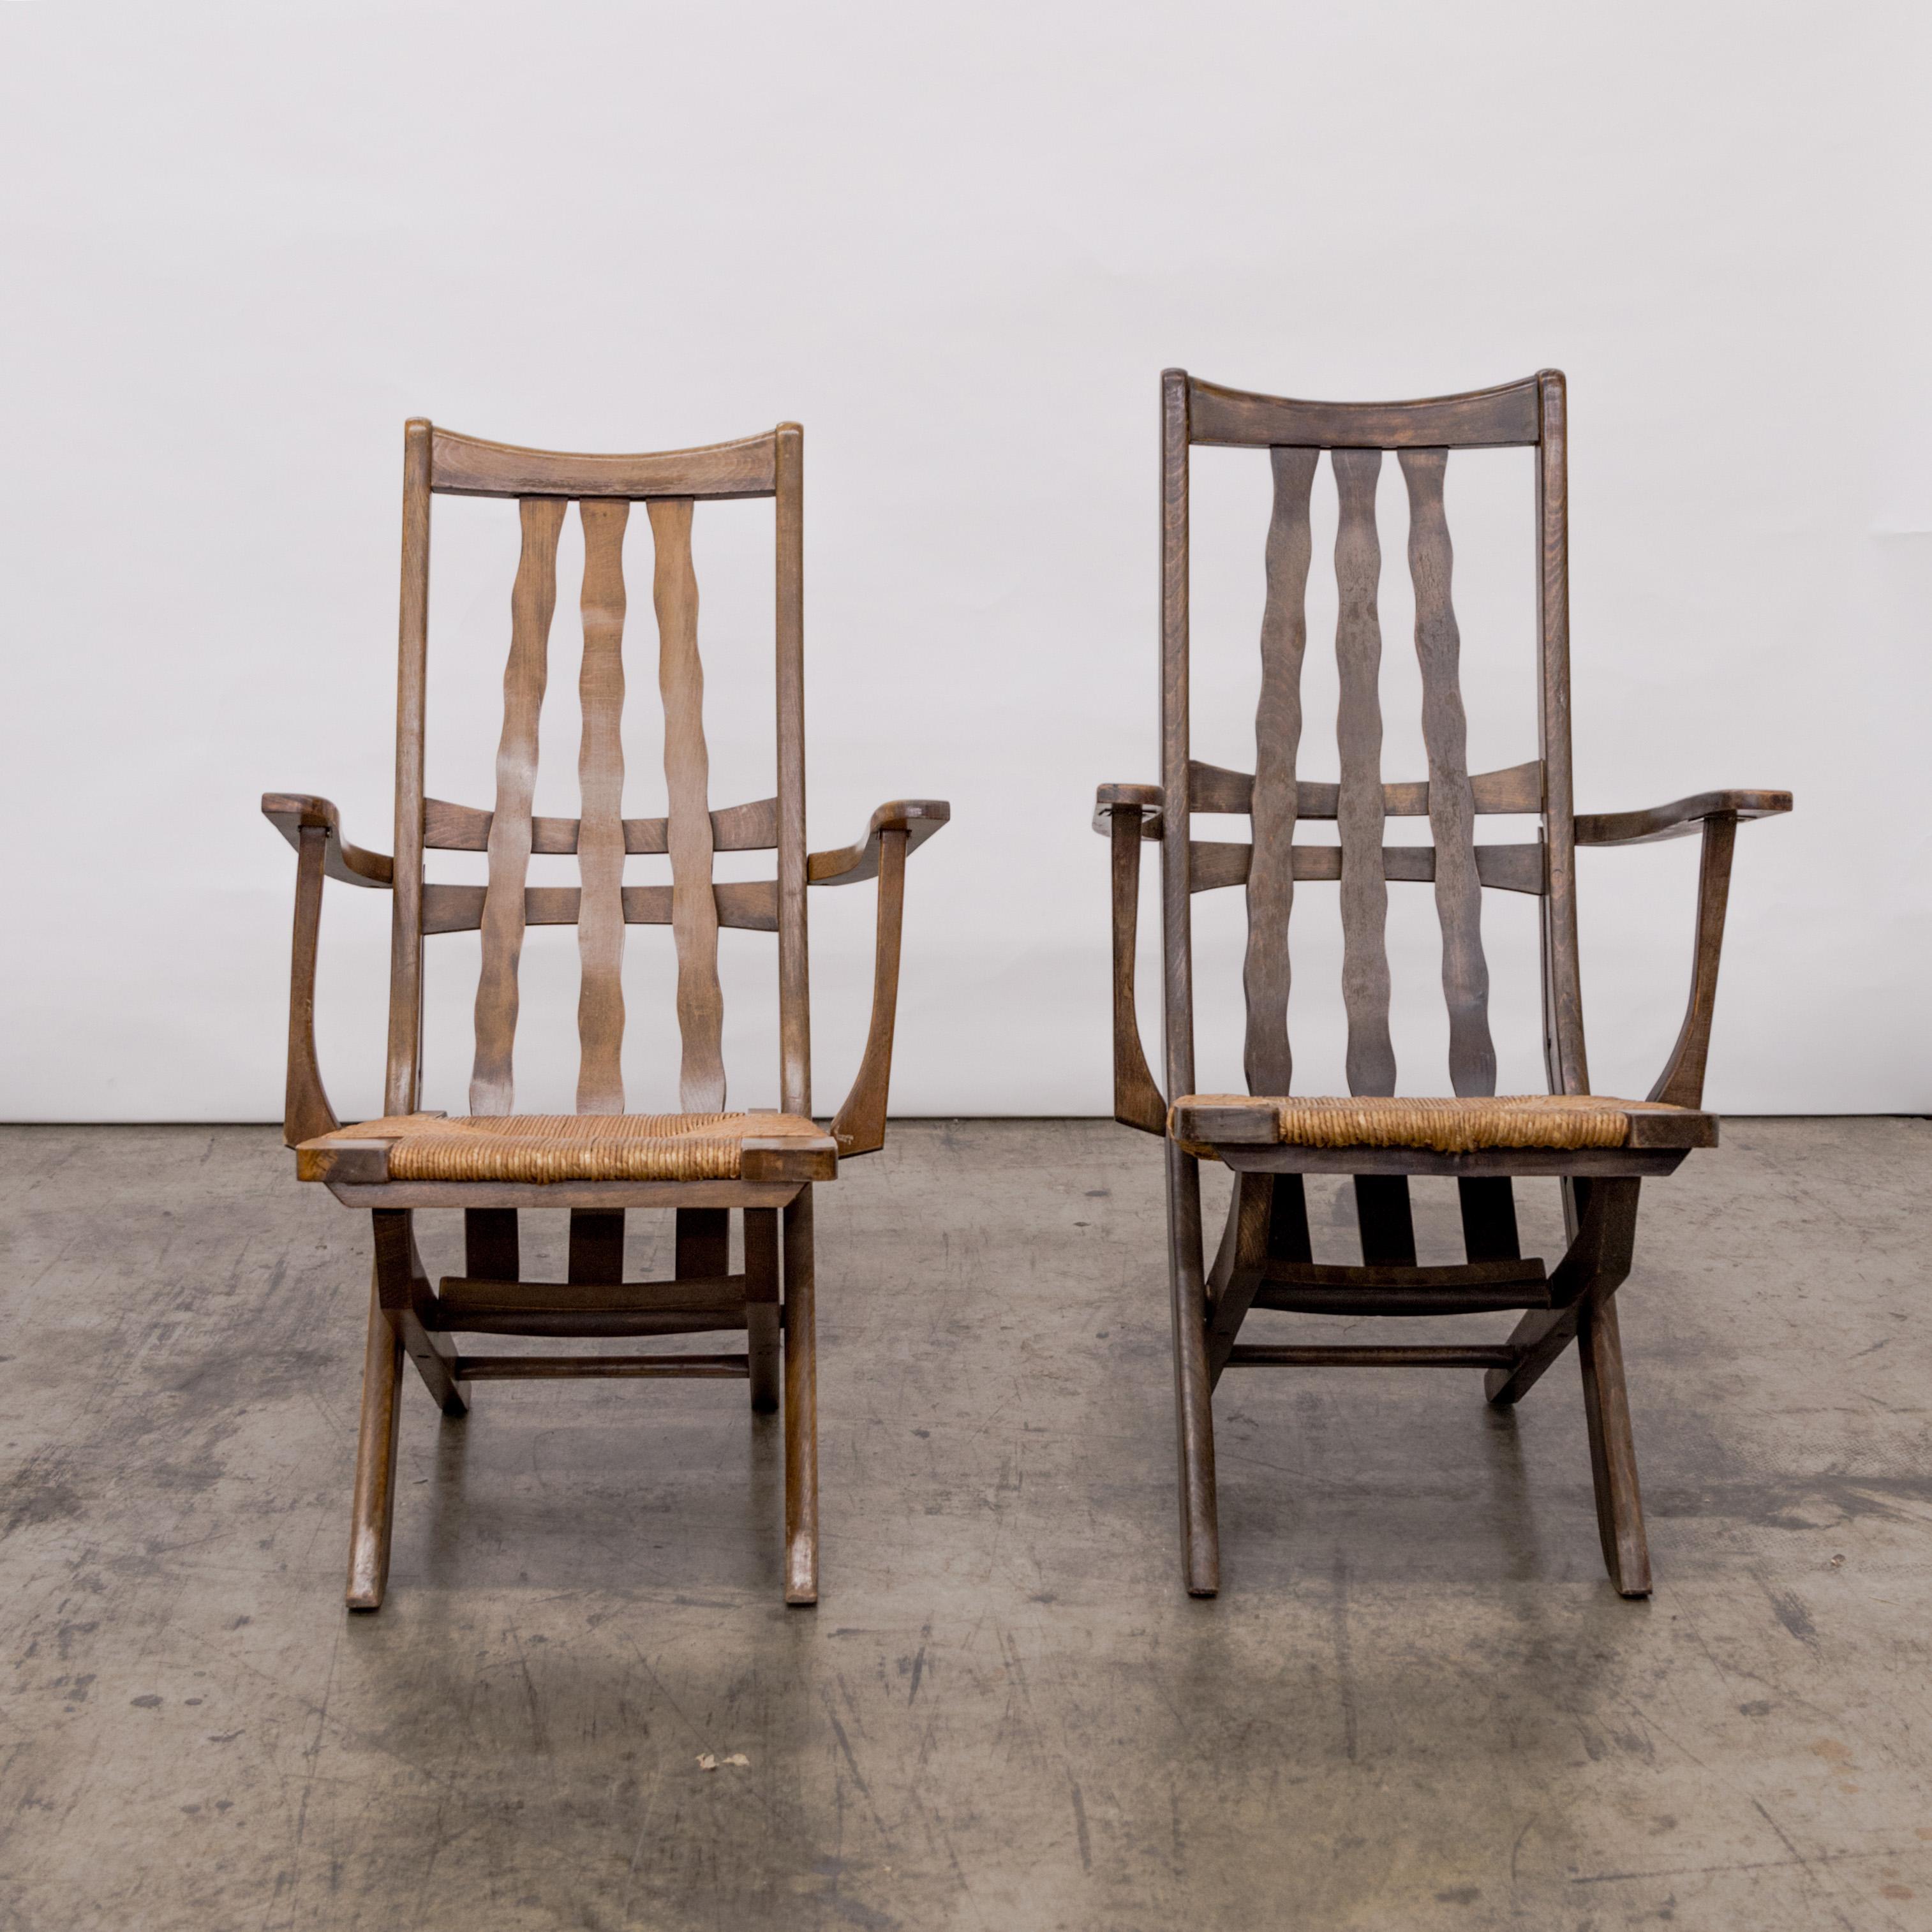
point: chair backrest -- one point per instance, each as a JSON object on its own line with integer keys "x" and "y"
{"x": 543, "y": 485}
{"x": 1529, "y": 413}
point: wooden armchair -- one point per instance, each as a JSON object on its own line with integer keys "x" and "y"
{"x": 703, "y": 1163}
{"x": 1600, "y": 1148}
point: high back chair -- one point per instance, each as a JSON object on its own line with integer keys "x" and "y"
{"x": 702, "y": 1163}
{"x": 1600, "y": 1148}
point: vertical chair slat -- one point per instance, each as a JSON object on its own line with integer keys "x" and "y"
{"x": 794, "y": 989}
{"x": 405, "y": 1054}
{"x": 1358, "y": 653}
{"x": 694, "y": 910}
{"x": 533, "y": 601}
{"x": 1267, "y": 1059}
{"x": 1452, "y": 803}
{"x": 600, "y": 838}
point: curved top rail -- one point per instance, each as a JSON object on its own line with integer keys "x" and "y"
{"x": 467, "y": 465}
{"x": 1481, "y": 419}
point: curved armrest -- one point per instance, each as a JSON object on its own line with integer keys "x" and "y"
{"x": 1150, "y": 799}
{"x": 1718, "y": 813}
{"x": 291, "y": 812}
{"x": 918, "y": 818}
{"x": 1128, "y": 814}
{"x": 1679, "y": 819}
{"x": 896, "y": 829}
{"x": 312, "y": 826}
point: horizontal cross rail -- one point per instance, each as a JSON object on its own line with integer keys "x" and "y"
{"x": 1508, "y": 868}
{"x": 1257, "y": 1355}
{"x": 504, "y": 1368}
{"x": 747, "y": 903}
{"x": 466, "y": 828}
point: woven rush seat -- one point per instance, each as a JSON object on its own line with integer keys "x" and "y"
{"x": 1564, "y": 1122}
{"x": 569, "y": 1147}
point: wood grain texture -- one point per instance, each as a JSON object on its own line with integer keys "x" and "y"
{"x": 1452, "y": 803}
{"x": 1137, "y": 1100}
{"x": 764, "y": 1343}
{"x": 305, "y": 1109}
{"x": 1517, "y": 789}
{"x": 752, "y": 827}
{"x": 1677, "y": 820}
{"x": 860, "y": 1126}
{"x": 750, "y": 905}
{"x": 1509, "y": 868}
{"x": 1480, "y": 419}
{"x": 373, "y": 1505}
{"x": 915, "y": 820}
{"x": 1266, "y": 1057}
{"x": 1562, "y": 983}
{"x": 292, "y": 813}
{"x": 532, "y": 602}
{"x": 794, "y": 950}
{"x": 1612, "y": 1450}
{"x": 467, "y": 465}
{"x": 1681, "y": 1082}
{"x": 601, "y": 842}
{"x": 801, "y": 1405}
{"x": 1358, "y": 656}
{"x": 694, "y": 919}
{"x": 405, "y": 1046}
{"x": 1200, "y": 1533}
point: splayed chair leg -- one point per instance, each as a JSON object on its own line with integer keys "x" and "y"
{"x": 801, "y": 1408}
{"x": 372, "y": 1514}
{"x": 1612, "y": 1451}
{"x": 1193, "y": 1389}
{"x": 762, "y": 1343}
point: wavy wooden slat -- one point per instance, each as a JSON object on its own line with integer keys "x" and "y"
{"x": 694, "y": 921}
{"x": 533, "y": 601}
{"x": 1452, "y": 804}
{"x": 466, "y": 828}
{"x": 1266, "y": 1057}
{"x": 1358, "y": 656}
{"x": 600, "y": 841}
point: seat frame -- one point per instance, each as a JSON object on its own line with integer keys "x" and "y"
{"x": 771, "y": 1299}
{"x": 1264, "y": 1259}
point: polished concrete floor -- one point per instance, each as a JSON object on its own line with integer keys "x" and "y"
{"x": 1417, "y": 1704}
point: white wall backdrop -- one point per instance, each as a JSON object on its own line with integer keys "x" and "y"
{"x": 243, "y": 243}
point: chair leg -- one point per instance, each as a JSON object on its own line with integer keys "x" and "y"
{"x": 762, "y": 1344}
{"x": 372, "y": 1514}
{"x": 1612, "y": 1451}
{"x": 1193, "y": 1390}
{"x": 801, "y": 1408}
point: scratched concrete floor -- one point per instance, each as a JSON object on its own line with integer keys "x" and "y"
{"x": 1416, "y": 1706}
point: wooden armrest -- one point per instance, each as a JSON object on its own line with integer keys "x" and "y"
{"x": 918, "y": 818}
{"x": 1150, "y": 799}
{"x": 290, "y": 812}
{"x": 1679, "y": 819}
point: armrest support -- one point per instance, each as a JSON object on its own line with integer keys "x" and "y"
{"x": 1718, "y": 813}
{"x": 311, "y": 826}
{"x": 1125, "y": 812}
{"x": 897, "y": 829}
